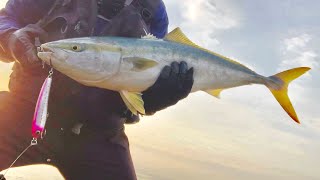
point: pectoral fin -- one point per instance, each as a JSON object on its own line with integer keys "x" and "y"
{"x": 141, "y": 64}
{"x": 216, "y": 92}
{"x": 133, "y": 101}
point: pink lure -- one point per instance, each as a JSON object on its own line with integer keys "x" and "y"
{"x": 41, "y": 110}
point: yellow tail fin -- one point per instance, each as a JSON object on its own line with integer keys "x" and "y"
{"x": 282, "y": 80}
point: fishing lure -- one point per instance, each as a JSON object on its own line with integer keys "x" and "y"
{"x": 41, "y": 110}
{"x": 39, "y": 118}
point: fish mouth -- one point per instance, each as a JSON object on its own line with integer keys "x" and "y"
{"x": 44, "y": 48}
{"x": 45, "y": 53}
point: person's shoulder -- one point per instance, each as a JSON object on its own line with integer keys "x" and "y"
{"x": 161, "y": 13}
{"x": 159, "y": 26}
{"x": 28, "y": 11}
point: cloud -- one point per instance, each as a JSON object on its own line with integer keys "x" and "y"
{"x": 306, "y": 58}
{"x": 202, "y": 20}
{"x": 298, "y": 52}
{"x": 295, "y": 43}
{"x": 225, "y": 136}
{"x": 301, "y": 50}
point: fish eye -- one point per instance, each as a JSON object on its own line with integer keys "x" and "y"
{"x": 76, "y": 48}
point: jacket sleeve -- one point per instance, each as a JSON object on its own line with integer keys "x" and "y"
{"x": 159, "y": 24}
{"x": 17, "y": 14}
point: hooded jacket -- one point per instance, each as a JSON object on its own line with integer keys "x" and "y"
{"x": 81, "y": 103}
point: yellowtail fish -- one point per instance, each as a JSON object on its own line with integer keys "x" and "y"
{"x": 131, "y": 65}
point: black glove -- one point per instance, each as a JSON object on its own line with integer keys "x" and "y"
{"x": 22, "y": 48}
{"x": 173, "y": 84}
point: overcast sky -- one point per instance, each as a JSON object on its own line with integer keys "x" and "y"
{"x": 245, "y": 134}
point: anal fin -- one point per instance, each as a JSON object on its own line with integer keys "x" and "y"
{"x": 133, "y": 101}
{"x": 215, "y": 92}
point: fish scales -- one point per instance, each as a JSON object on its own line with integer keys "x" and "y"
{"x": 131, "y": 65}
{"x": 223, "y": 73}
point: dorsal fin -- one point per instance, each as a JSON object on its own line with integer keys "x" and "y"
{"x": 149, "y": 36}
{"x": 178, "y": 36}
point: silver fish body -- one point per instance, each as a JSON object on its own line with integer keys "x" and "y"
{"x": 116, "y": 71}
{"x": 133, "y": 65}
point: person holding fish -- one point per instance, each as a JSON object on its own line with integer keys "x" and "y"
{"x": 85, "y": 136}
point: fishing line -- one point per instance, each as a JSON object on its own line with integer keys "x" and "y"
{"x": 33, "y": 143}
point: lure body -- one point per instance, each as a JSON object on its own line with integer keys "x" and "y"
{"x": 41, "y": 110}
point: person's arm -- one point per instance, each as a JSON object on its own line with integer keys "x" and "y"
{"x": 8, "y": 23}
{"x": 15, "y": 16}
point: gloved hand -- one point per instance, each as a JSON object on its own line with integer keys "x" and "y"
{"x": 173, "y": 84}
{"x": 22, "y": 48}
